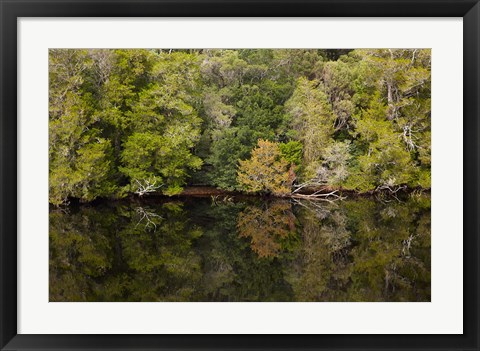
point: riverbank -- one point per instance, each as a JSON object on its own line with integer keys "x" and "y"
{"x": 212, "y": 191}
{"x": 224, "y": 195}
{"x": 312, "y": 193}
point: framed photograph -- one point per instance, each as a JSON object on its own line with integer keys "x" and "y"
{"x": 239, "y": 175}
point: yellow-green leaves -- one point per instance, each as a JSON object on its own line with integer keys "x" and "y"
{"x": 266, "y": 171}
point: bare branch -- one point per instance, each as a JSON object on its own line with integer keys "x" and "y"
{"x": 146, "y": 186}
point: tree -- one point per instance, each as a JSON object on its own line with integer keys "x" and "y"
{"x": 312, "y": 120}
{"x": 79, "y": 157}
{"x": 244, "y": 102}
{"x": 396, "y": 113}
{"x": 292, "y": 152}
{"x": 266, "y": 171}
{"x": 163, "y": 159}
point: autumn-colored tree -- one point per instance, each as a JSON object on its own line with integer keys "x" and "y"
{"x": 266, "y": 171}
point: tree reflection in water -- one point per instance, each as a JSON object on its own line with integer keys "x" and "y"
{"x": 266, "y": 226}
{"x": 245, "y": 250}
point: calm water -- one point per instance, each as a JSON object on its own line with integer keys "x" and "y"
{"x": 242, "y": 250}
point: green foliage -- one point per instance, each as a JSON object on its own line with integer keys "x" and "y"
{"x": 356, "y": 119}
{"x": 119, "y": 117}
{"x": 165, "y": 159}
{"x": 312, "y": 120}
{"x": 292, "y": 152}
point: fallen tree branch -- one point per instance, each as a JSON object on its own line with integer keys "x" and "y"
{"x": 308, "y": 184}
{"x": 146, "y": 187}
{"x": 318, "y": 196}
{"x": 391, "y": 189}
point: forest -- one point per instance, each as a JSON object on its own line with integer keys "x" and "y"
{"x": 255, "y": 121}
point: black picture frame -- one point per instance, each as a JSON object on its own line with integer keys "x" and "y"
{"x": 11, "y": 10}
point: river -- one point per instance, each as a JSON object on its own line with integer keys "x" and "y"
{"x": 242, "y": 249}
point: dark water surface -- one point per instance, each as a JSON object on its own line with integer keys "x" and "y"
{"x": 250, "y": 249}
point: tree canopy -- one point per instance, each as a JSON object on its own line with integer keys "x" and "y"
{"x": 134, "y": 120}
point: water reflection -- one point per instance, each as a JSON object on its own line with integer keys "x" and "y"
{"x": 268, "y": 227}
{"x": 242, "y": 250}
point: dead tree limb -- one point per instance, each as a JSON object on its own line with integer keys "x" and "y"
{"x": 318, "y": 196}
{"x": 146, "y": 187}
